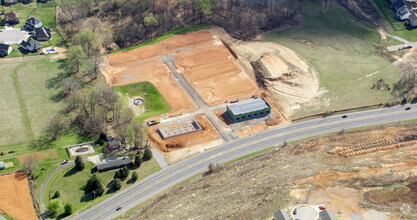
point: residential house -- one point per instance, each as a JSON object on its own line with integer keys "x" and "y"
{"x": 399, "y": 4}
{"x": 113, "y": 145}
{"x": 412, "y": 20}
{"x": 403, "y": 13}
{"x": 31, "y": 45}
{"x": 32, "y": 23}
{"x": 9, "y": 2}
{"x": 5, "y": 49}
{"x": 26, "y": 1}
{"x": 281, "y": 215}
{"x": 113, "y": 163}
{"x": 11, "y": 18}
{"x": 43, "y": 34}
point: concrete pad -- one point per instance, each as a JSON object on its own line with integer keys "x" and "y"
{"x": 12, "y": 36}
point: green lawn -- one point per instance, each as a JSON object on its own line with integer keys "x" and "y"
{"x": 70, "y": 184}
{"x": 345, "y": 57}
{"x": 178, "y": 31}
{"x": 154, "y": 102}
{"x": 393, "y": 26}
{"x": 26, "y": 101}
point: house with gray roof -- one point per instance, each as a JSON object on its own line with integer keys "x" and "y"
{"x": 43, "y": 34}
{"x": 31, "y": 45}
{"x": 9, "y": 2}
{"x": 281, "y": 215}
{"x": 113, "y": 163}
{"x": 5, "y": 49}
{"x": 403, "y": 13}
{"x": 248, "y": 110}
{"x": 11, "y": 18}
{"x": 412, "y": 20}
{"x": 32, "y": 23}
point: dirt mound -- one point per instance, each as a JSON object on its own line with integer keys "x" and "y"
{"x": 381, "y": 85}
{"x": 277, "y": 69}
{"x": 15, "y": 196}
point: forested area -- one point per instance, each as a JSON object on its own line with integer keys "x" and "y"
{"x": 132, "y": 22}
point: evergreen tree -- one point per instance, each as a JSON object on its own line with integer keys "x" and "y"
{"x": 138, "y": 161}
{"x": 68, "y": 209}
{"x": 134, "y": 176}
{"x": 79, "y": 163}
{"x": 95, "y": 184}
{"x": 147, "y": 154}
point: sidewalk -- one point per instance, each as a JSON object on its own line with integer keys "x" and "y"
{"x": 159, "y": 158}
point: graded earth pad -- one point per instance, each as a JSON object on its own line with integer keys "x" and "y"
{"x": 192, "y": 141}
{"x": 15, "y": 199}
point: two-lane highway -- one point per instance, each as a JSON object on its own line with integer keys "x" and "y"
{"x": 182, "y": 170}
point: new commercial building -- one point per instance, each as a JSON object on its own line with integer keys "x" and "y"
{"x": 257, "y": 108}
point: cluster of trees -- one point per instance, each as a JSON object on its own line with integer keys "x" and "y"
{"x": 94, "y": 185}
{"x": 55, "y": 208}
{"x": 122, "y": 173}
{"x": 132, "y": 22}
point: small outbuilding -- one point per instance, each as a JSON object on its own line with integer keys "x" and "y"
{"x": 43, "y": 34}
{"x": 32, "y": 23}
{"x": 11, "y": 18}
{"x": 112, "y": 163}
{"x": 2, "y": 165}
{"x": 31, "y": 45}
{"x": 257, "y": 108}
{"x": 5, "y": 49}
{"x": 281, "y": 215}
{"x": 412, "y": 20}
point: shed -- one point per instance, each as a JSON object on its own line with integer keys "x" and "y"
{"x": 113, "y": 163}
{"x": 281, "y": 215}
{"x": 327, "y": 215}
{"x": 248, "y": 110}
{"x": 2, "y": 165}
{"x": 5, "y": 49}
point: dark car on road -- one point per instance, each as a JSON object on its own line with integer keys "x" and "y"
{"x": 408, "y": 108}
{"x": 344, "y": 116}
{"x": 118, "y": 208}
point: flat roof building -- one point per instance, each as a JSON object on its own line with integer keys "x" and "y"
{"x": 113, "y": 163}
{"x": 248, "y": 110}
{"x": 179, "y": 128}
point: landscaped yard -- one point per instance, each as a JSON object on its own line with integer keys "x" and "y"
{"x": 153, "y": 101}
{"x": 70, "y": 184}
{"x": 342, "y": 50}
{"x": 46, "y": 12}
{"x": 394, "y": 26}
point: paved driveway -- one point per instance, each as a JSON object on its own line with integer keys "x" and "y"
{"x": 13, "y": 36}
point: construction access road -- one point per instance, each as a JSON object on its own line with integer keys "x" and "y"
{"x": 162, "y": 180}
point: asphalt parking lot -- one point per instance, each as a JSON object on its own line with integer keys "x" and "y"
{"x": 13, "y": 36}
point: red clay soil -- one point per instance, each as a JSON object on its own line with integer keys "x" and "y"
{"x": 15, "y": 199}
{"x": 207, "y": 134}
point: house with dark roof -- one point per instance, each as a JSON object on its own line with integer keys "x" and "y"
{"x": 11, "y": 18}
{"x": 327, "y": 215}
{"x": 399, "y": 4}
{"x": 5, "y": 49}
{"x": 113, "y": 163}
{"x": 26, "y": 1}
{"x": 32, "y": 23}
{"x": 31, "y": 45}
{"x": 281, "y": 215}
{"x": 43, "y": 34}
{"x": 9, "y": 2}
{"x": 412, "y": 20}
{"x": 43, "y": 1}
{"x": 403, "y": 13}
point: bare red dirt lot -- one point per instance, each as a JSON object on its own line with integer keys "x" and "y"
{"x": 204, "y": 60}
{"x": 15, "y": 196}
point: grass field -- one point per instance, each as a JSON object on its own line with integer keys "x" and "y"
{"x": 70, "y": 184}
{"x": 154, "y": 102}
{"x": 344, "y": 56}
{"x": 26, "y": 102}
{"x": 178, "y": 31}
{"x": 393, "y": 26}
{"x": 46, "y": 12}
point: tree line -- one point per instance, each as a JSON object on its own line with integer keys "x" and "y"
{"x": 130, "y": 22}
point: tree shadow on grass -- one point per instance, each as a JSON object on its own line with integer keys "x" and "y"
{"x": 58, "y": 97}
{"x": 130, "y": 181}
{"x": 71, "y": 172}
